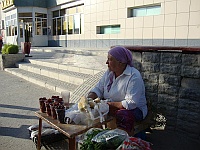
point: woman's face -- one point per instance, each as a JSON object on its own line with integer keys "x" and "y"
{"x": 112, "y": 63}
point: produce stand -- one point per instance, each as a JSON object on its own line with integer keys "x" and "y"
{"x": 70, "y": 130}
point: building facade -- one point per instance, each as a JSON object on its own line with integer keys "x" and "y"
{"x": 99, "y": 24}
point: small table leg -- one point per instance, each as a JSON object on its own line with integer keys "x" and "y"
{"x": 72, "y": 143}
{"x": 39, "y": 134}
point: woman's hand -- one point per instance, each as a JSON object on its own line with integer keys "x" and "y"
{"x": 92, "y": 95}
{"x": 113, "y": 107}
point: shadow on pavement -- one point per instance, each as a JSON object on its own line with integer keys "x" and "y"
{"x": 18, "y": 107}
{"x": 15, "y": 132}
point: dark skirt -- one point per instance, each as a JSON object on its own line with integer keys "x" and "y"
{"x": 125, "y": 118}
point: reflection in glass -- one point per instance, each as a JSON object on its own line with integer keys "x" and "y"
{"x": 21, "y": 31}
{"x": 76, "y": 24}
{"x": 54, "y": 26}
{"x": 70, "y": 24}
{"x": 58, "y": 26}
{"x": 64, "y": 26}
{"x": 38, "y": 26}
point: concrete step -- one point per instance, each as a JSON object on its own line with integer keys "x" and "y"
{"x": 75, "y": 71}
{"x": 61, "y": 60}
{"x": 44, "y": 81}
{"x": 56, "y": 65}
{"x": 51, "y": 72}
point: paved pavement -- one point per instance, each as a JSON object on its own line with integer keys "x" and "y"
{"x": 19, "y": 101}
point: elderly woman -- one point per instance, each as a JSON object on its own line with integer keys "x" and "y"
{"x": 122, "y": 86}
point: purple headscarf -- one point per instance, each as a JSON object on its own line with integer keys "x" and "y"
{"x": 122, "y": 54}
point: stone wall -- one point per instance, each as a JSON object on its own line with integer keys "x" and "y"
{"x": 9, "y": 60}
{"x": 172, "y": 80}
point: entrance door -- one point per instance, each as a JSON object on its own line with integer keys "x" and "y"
{"x": 25, "y": 32}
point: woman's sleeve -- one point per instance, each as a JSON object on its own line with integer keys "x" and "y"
{"x": 134, "y": 92}
{"x": 99, "y": 87}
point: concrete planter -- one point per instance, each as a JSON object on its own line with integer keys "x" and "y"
{"x": 9, "y": 60}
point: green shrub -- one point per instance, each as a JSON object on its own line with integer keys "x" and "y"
{"x": 5, "y": 46}
{"x": 10, "y": 49}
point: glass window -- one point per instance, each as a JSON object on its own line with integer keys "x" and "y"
{"x": 44, "y": 26}
{"x": 139, "y": 12}
{"x": 54, "y": 27}
{"x": 144, "y": 11}
{"x": 13, "y": 16}
{"x": 64, "y": 26}
{"x": 58, "y": 26}
{"x": 77, "y": 24}
{"x": 62, "y": 12}
{"x": 38, "y": 26}
{"x": 41, "y": 15}
{"x": 44, "y": 22}
{"x": 68, "y": 21}
{"x": 154, "y": 10}
{"x": 44, "y": 31}
{"x": 110, "y": 29}
{"x": 41, "y": 24}
{"x": 15, "y": 30}
{"x": 11, "y": 25}
{"x": 9, "y": 30}
{"x": 21, "y": 30}
{"x": 56, "y": 13}
{"x": 70, "y": 24}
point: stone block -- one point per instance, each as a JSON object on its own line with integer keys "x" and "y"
{"x": 151, "y": 57}
{"x": 168, "y": 89}
{"x": 191, "y": 94}
{"x": 150, "y": 67}
{"x": 152, "y": 98}
{"x": 191, "y": 60}
{"x": 165, "y": 99}
{"x": 138, "y": 66}
{"x": 153, "y": 77}
{"x": 188, "y": 127}
{"x": 137, "y": 57}
{"x": 190, "y": 72}
{"x": 151, "y": 87}
{"x": 190, "y": 105}
{"x": 171, "y": 122}
{"x": 190, "y": 116}
{"x": 171, "y": 69}
{"x": 190, "y": 83}
{"x": 171, "y": 58}
{"x": 170, "y": 79}
{"x": 167, "y": 110}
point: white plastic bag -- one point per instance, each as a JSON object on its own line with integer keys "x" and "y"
{"x": 100, "y": 110}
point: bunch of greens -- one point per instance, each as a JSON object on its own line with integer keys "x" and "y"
{"x": 111, "y": 139}
{"x": 88, "y": 144}
{"x": 98, "y": 139}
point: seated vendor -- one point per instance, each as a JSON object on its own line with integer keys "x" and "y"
{"x": 123, "y": 88}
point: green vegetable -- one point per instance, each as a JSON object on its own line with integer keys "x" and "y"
{"x": 110, "y": 139}
{"x": 87, "y": 142}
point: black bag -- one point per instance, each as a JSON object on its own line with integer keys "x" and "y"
{"x": 48, "y": 135}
